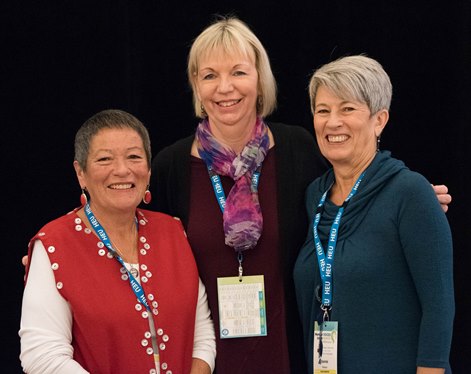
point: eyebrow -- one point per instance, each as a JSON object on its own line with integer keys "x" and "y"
{"x": 343, "y": 102}
{"x": 127, "y": 149}
{"x": 236, "y": 66}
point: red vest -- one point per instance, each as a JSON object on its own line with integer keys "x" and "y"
{"x": 110, "y": 327}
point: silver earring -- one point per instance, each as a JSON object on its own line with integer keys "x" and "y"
{"x": 378, "y": 140}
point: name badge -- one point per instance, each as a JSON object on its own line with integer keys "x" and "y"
{"x": 241, "y": 304}
{"x": 325, "y": 347}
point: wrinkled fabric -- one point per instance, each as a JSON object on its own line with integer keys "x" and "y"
{"x": 242, "y": 216}
{"x": 393, "y": 263}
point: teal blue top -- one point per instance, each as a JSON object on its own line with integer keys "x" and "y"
{"x": 392, "y": 274}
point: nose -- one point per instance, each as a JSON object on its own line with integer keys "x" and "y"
{"x": 121, "y": 167}
{"x": 225, "y": 84}
{"x": 334, "y": 120}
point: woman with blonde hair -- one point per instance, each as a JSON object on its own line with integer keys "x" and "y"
{"x": 238, "y": 186}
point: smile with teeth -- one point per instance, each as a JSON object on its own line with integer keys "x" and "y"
{"x": 226, "y": 104}
{"x": 337, "y": 138}
{"x": 121, "y": 186}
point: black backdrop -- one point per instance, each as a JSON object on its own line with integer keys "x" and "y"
{"x": 62, "y": 61}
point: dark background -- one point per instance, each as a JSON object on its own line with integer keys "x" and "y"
{"x": 62, "y": 61}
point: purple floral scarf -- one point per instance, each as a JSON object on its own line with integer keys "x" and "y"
{"x": 242, "y": 216}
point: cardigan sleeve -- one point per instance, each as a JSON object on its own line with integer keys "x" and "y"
{"x": 159, "y": 181}
{"x": 427, "y": 244}
{"x": 46, "y": 322}
{"x": 170, "y": 179}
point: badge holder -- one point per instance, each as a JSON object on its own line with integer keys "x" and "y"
{"x": 325, "y": 345}
{"x": 241, "y": 303}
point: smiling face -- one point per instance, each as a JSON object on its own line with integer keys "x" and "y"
{"x": 345, "y": 129}
{"x": 227, "y": 86}
{"x": 117, "y": 171}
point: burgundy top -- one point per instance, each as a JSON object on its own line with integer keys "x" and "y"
{"x": 215, "y": 259}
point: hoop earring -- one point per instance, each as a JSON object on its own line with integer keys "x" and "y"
{"x": 83, "y": 197}
{"x": 147, "y": 196}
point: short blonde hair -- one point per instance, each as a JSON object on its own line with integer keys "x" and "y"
{"x": 232, "y": 36}
{"x": 360, "y": 78}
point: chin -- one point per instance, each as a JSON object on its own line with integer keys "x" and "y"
{"x": 335, "y": 154}
{"x": 337, "y": 159}
{"x": 126, "y": 206}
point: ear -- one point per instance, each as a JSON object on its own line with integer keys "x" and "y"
{"x": 197, "y": 92}
{"x": 80, "y": 174}
{"x": 148, "y": 177}
{"x": 382, "y": 118}
{"x": 194, "y": 85}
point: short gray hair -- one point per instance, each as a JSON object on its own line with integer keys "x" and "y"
{"x": 108, "y": 119}
{"x": 358, "y": 78}
{"x": 232, "y": 36}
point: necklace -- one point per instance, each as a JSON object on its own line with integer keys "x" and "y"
{"x": 134, "y": 270}
{"x": 121, "y": 253}
{"x": 133, "y": 237}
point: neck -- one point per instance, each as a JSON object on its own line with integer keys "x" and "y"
{"x": 346, "y": 177}
{"x": 121, "y": 230}
{"x": 235, "y": 137}
{"x": 119, "y": 221}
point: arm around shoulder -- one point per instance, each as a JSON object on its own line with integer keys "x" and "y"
{"x": 444, "y": 198}
{"x": 424, "y": 370}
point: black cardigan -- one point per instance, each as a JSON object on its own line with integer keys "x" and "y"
{"x": 298, "y": 162}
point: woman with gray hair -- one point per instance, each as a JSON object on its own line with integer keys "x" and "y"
{"x": 100, "y": 287}
{"x": 374, "y": 279}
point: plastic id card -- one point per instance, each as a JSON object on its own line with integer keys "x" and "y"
{"x": 242, "y": 310}
{"x": 325, "y": 347}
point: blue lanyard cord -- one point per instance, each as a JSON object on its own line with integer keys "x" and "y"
{"x": 219, "y": 191}
{"x": 221, "y": 198}
{"x": 100, "y": 231}
{"x": 325, "y": 260}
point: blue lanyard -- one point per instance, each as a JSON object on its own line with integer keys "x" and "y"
{"x": 221, "y": 198}
{"x": 100, "y": 231}
{"x": 326, "y": 260}
{"x": 219, "y": 191}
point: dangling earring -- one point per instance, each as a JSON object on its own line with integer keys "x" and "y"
{"x": 203, "y": 111}
{"x": 147, "y": 196}
{"x": 83, "y": 197}
{"x": 378, "y": 140}
{"x": 259, "y": 103}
